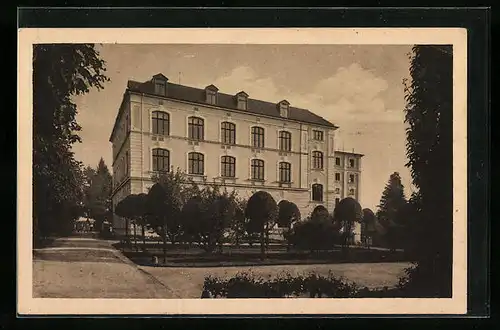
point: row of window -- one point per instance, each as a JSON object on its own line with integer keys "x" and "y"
{"x": 196, "y": 165}
{"x": 352, "y": 162}
{"x": 196, "y": 131}
{"x": 161, "y": 161}
{"x": 352, "y": 177}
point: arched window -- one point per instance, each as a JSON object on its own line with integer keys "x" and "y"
{"x": 161, "y": 123}
{"x": 228, "y": 133}
{"x": 317, "y": 192}
{"x": 228, "y": 166}
{"x": 257, "y": 137}
{"x": 285, "y": 172}
{"x": 196, "y": 128}
{"x": 196, "y": 162}
{"x": 285, "y": 141}
{"x": 257, "y": 169}
{"x": 161, "y": 160}
{"x": 317, "y": 160}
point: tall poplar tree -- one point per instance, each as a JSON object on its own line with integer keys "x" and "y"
{"x": 429, "y": 116}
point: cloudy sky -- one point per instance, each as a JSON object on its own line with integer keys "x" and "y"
{"x": 359, "y": 88}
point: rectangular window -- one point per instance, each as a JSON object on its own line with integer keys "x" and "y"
{"x": 160, "y": 87}
{"x": 351, "y": 162}
{"x": 317, "y": 160}
{"x": 242, "y": 102}
{"x": 318, "y": 135}
{"x": 337, "y": 161}
{"x": 285, "y": 141}
{"x": 228, "y": 166}
{"x": 257, "y": 137}
{"x": 161, "y": 123}
{"x": 317, "y": 192}
{"x": 285, "y": 172}
{"x": 337, "y": 201}
{"x": 228, "y": 133}
{"x": 337, "y": 190}
{"x": 196, "y": 163}
{"x": 196, "y": 128}
{"x": 351, "y": 178}
{"x": 257, "y": 169}
{"x": 337, "y": 176}
{"x": 211, "y": 97}
{"x": 161, "y": 160}
{"x": 351, "y": 192}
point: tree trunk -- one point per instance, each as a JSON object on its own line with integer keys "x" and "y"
{"x": 143, "y": 238}
{"x": 164, "y": 245}
{"x": 135, "y": 236}
{"x": 262, "y": 245}
{"x": 127, "y": 224}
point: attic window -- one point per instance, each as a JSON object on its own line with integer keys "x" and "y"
{"x": 284, "y": 109}
{"x": 211, "y": 97}
{"x": 211, "y": 94}
{"x": 160, "y": 87}
{"x": 241, "y": 99}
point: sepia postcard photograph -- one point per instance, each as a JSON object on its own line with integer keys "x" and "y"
{"x": 291, "y": 171}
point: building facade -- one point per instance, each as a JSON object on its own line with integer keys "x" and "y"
{"x": 233, "y": 140}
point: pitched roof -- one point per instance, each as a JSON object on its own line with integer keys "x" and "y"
{"x": 256, "y": 107}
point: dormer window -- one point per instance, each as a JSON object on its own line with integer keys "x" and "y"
{"x": 283, "y": 108}
{"x": 242, "y": 100}
{"x": 160, "y": 83}
{"x": 211, "y": 94}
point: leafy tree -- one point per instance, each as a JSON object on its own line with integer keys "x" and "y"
{"x": 429, "y": 116}
{"x": 141, "y": 205}
{"x": 317, "y": 232}
{"x": 157, "y": 211}
{"x": 288, "y": 213}
{"x": 368, "y": 226}
{"x": 262, "y": 212}
{"x": 164, "y": 205}
{"x": 122, "y": 210}
{"x": 207, "y": 217}
{"x": 98, "y": 193}
{"x": 239, "y": 224}
{"x": 346, "y": 214}
{"x": 60, "y": 71}
{"x": 319, "y": 211}
{"x": 392, "y": 211}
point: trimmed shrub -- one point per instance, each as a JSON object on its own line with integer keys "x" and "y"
{"x": 284, "y": 285}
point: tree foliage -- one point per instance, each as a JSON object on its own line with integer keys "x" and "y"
{"x": 392, "y": 212}
{"x": 317, "y": 232}
{"x": 262, "y": 212}
{"x": 288, "y": 213}
{"x": 429, "y": 118}
{"x": 60, "y": 71}
{"x": 347, "y": 212}
{"x": 98, "y": 193}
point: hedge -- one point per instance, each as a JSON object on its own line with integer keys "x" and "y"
{"x": 284, "y": 285}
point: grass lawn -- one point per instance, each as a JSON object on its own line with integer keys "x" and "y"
{"x": 188, "y": 282}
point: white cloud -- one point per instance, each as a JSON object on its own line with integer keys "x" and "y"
{"x": 353, "y": 94}
{"x": 244, "y": 78}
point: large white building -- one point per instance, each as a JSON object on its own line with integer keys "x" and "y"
{"x": 234, "y": 140}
